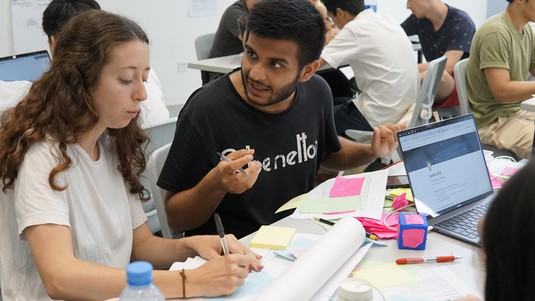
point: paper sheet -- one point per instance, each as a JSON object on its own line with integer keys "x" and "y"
{"x": 372, "y": 193}
{"x": 433, "y": 283}
{"x": 314, "y": 276}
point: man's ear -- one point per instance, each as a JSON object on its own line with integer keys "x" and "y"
{"x": 309, "y": 70}
{"x": 52, "y": 44}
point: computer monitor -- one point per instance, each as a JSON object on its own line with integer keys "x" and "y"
{"x": 27, "y": 66}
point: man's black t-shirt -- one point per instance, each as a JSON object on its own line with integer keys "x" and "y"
{"x": 290, "y": 145}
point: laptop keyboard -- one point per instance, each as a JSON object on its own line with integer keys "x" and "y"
{"x": 465, "y": 223}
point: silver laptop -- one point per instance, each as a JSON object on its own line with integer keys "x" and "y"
{"x": 27, "y": 66}
{"x": 448, "y": 175}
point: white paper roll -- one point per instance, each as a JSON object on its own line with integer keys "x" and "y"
{"x": 307, "y": 274}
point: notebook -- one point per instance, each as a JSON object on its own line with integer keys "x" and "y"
{"x": 448, "y": 175}
{"x": 27, "y": 66}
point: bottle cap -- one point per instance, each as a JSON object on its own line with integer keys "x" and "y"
{"x": 353, "y": 289}
{"x": 139, "y": 273}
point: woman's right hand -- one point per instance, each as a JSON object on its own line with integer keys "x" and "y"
{"x": 219, "y": 276}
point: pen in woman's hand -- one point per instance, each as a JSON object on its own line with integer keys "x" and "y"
{"x": 221, "y": 233}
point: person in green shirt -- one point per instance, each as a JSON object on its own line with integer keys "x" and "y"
{"x": 501, "y": 56}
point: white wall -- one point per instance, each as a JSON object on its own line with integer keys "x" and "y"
{"x": 172, "y": 33}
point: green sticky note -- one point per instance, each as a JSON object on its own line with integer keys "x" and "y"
{"x": 331, "y": 205}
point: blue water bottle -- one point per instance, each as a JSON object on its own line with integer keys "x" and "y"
{"x": 139, "y": 280}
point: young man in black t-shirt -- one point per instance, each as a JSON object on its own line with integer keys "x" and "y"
{"x": 273, "y": 117}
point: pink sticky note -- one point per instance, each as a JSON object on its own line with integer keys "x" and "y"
{"x": 343, "y": 187}
{"x": 496, "y": 182}
{"x": 414, "y": 219}
{"x": 509, "y": 171}
{"x": 400, "y": 201}
{"x": 412, "y": 238}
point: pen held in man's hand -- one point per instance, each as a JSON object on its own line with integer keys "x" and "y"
{"x": 226, "y": 159}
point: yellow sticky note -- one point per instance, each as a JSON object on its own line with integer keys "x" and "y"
{"x": 400, "y": 191}
{"x": 385, "y": 275}
{"x": 271, "y": 237}
{"x": 293, "y": 203}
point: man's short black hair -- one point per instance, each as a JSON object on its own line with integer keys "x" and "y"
{"x": 353, "y": 7}
{"x": 58, "y": 12}
{"x": 296, "y": 20}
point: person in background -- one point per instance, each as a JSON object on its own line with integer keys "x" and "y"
{"x": 338, "y": 82}
{"x": 273, "y": 118}
{"x": 508, "y": 237}
{"x": 71, "y": 158}
{"x": 58, "y": 12}
{"x": 330, "y": 28}
{"x": 502, "y": 54}
{"x": 228, "y": 39}
{"x": 442, "y": 30}
{"x": 382, "y": 60}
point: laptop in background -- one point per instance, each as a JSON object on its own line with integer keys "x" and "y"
{"x": 27, "y": 66}
{"x": 448, "y": 175}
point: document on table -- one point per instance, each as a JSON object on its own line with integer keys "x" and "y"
{"x": 333, "y": 199}
{"x": 417, "y": 283}
{"x": 315, "y": 275}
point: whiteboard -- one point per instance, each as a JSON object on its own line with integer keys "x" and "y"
{"x": 28, "y": 34}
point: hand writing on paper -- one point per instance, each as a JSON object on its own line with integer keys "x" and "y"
{"x": 384, "y": 140}
{"x": 209, "y": 247}
{"x": 238, "y": 182}
{"x": 219, "y": 276}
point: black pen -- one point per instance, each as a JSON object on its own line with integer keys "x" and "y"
{"x": 327, "y": 222}
{"x": 224, "y": 158}
{"x": 221, "y": 233}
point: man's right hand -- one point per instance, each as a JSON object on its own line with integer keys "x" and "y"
{"x": 233, "y": 181}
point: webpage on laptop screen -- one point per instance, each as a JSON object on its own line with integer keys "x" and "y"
{"x": 446, "y": 166}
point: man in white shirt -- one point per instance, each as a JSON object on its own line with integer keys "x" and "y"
{"x": 382, "y": 59}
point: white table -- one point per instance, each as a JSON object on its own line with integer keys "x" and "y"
{"x": 228, "y": 63}
{"x": 469, "y": 269}
{"x": 225, "y": 64}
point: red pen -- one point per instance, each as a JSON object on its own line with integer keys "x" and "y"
{"x": 426, "y": 260}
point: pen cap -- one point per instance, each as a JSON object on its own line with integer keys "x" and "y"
{"x": 353, "y": 289}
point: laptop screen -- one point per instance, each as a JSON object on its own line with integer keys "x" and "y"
{"x": 445, "y": 164}
{"x": 28, "y": 66}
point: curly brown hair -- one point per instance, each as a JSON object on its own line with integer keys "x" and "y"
{"x": 59, "y": 105}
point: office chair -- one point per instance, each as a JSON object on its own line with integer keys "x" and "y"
{"x": 426, "y": 96}
{"x": 423, "y": 109}
{"x": 160, "y": 134}
{"x": 203, "y": 45}
{"x": 459, "y": 72}
{"x": 152, "y": 172}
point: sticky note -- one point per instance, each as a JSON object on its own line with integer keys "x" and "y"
{"x": 400, "y": 201}
{"x": 414, "y": 219}
{"x": 343, "y": 187}
{"x": 412, "y": 238}
{"x": 271, "y": 237}
{"x": 509, "y": 171}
